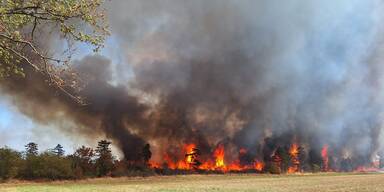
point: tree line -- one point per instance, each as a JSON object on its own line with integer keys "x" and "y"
{"x": 53, "y": 164}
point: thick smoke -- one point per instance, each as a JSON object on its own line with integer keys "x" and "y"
{"x": 230, "y": 71}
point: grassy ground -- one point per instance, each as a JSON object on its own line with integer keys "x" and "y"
{"x": 262, "y": 183}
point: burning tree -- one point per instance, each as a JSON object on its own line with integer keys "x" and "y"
{"x": 325, "y": 158}
{"x": 294, "y": 151}
{"x": 191, "y": 158}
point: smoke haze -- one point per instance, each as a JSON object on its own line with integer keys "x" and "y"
{"x": 234, "y": 72}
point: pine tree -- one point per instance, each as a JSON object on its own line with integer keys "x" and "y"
{"x": 31, "y": 149}
{"x": 58, "y": 150}
{"x": 104, "y": 162}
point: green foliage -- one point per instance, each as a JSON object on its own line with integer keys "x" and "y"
{"x": 82, "y": 162}
{"x": 31, "y": 149}
{"x": 10, "y": 162}
{"x": 104, "y": 162}
{"x": 81, "y": 21}
{"x": 58, "y": 150}
{"x": 55, "y": 167}
{"x": 53, "y": 164}
{"x": 47, "y": 165}
{"x": 31, "y": 167}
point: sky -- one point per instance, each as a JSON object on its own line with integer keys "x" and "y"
{"x": 293, "y": 38}
{"x": 17, "y": 135}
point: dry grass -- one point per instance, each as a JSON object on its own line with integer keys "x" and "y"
{"x": 247, "y": 182}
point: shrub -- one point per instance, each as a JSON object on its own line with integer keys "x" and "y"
{"x": 10, "y": 161}
{"x": 47, "y": 166}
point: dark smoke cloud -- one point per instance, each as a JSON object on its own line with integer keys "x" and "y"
{"x": 230, "y": 71}
{"x": 108, "y": 109}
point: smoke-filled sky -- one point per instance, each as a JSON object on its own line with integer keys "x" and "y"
{"x": 209, "y": 71}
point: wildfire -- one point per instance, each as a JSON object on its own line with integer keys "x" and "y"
{"x": 190, "y": 159}
{"x": 154, "y": 164}
{"x": 371, "y": 168}
{"x": 324, "y": 156}
{"x": 294, "y": 153}
{"x": 294, "y": 150}
{"x": 190, "y": 152}
{"x": 217, "y": 162}
{"x": 189, "y": 156}
{"x": 258, "y": 165}
{"x": 169, "y": 162}
{"x": 219, "y": 156}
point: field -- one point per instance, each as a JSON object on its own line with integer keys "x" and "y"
{"x": 246, "y": 182}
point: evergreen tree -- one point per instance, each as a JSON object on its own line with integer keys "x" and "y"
{"x": 33, "y": 163}
{"x": 104, "y": 162}
{"x": 58, "y": 150}
{"x": 31, "y": 149}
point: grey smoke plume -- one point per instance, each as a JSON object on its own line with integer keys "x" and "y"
{"x": 240, "y": 71}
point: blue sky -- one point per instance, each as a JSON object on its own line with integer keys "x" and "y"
{"x": 17, "y": 129}
{"x": 13, "y": 134}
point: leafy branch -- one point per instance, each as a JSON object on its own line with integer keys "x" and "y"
{"x": 76, "y": 20}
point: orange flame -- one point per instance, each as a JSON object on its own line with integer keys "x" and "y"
{"x": 294, "y": 153}
{"x": 324, "y": 156}
{"x": 183, "y": 163}
{"x": 169, "y": 162}
{"x": 154, "y": 165}
{"x": 188, "y": 151}
{"x": 235, "y": 166}
{"x": 189, "y": 159}
{"x": 217, "y": 162}
{"x": 219, "y": 156}
{"x": 258, "y": 165}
